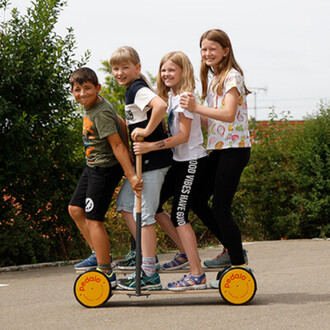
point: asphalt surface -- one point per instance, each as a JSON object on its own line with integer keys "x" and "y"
{"x": 293, "y": 292}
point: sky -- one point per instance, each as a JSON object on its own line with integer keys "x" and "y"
{"x": 283, "y": 46}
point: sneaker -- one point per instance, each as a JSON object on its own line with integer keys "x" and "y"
{"x": 188, "y": 282}
{"x": 111, "y": 277}
{"x": 147, "y": 283}
{"x": 180, "y": 261}
{"x": 88, "y": 264}
{"x": 130, "y": 254}
{"x": 130, "y": 262}
{"x": 223, "y": 260}
{"x": 214, "y": 284}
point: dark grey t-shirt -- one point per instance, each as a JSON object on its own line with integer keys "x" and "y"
{"x": 100, "y": 121}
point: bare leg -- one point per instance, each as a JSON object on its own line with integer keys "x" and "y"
{"x": 148, "y": 235}
{"x": 130, "y": 222}
{"x": 78, "y": 215}
{"x": 100, "y": 241}
{"x": 188, "y": 239}
{"x": 149, "y": 241}
{"x": 164, "y": 220}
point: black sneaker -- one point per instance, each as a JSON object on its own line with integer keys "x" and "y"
{"x": 129, "y": 263}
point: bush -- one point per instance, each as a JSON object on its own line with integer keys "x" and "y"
{"x": 311, "y": 158}
{"x": 284, "y": 191}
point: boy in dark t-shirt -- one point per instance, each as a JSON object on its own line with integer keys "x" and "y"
{"x": 106, "y": 158}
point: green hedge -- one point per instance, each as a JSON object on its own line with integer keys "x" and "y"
{"x": 284, "y": 191}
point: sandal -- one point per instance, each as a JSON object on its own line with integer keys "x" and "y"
{"x": 188, "y": 282}
{"x": 177, "y": 263}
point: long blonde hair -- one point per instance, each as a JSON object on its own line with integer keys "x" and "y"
{"x": 127, "y": 54}
{"x": 222, "y": 69}
{"x": 187, "y": 83}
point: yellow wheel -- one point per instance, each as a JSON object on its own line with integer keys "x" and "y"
{"x": 92, "y": 289}
{"x": 237, "y": 285}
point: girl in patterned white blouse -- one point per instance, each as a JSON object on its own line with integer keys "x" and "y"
{"x": 226, "y": 119}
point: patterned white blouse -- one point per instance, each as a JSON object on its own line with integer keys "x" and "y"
{"x": 222, "y": 135}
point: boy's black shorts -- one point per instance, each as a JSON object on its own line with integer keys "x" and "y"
{"x": 95, "y": 189}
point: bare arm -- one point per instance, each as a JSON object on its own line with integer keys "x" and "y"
{"x": 173, "y": 141}
{"x": 187, "y": 101}
{"x": 204, "y": 122}
{"x": 121, "y": 153}
{"x": 158, "y": 112}
{"x": 125, "y": 138}
{"x": 124, "y": 130}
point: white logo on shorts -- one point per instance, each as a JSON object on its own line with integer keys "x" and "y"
{"x": 89, "y": 205}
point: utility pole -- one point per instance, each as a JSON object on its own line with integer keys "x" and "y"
{"x": 255, "y": 90}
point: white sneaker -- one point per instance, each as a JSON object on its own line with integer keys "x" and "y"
{"x": 214, "y": 284}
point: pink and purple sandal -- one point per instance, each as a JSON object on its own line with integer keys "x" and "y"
{"x": 188, "y": 282}
{"x": 180, "y": 261}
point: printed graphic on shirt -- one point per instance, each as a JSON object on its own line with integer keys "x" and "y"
{"x": 134, "y": 114}
{"x": 88, "y": 135}
{"x": 129, "y": 114}
{"x": 170, "y": 118}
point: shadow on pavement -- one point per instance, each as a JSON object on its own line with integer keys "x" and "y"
{"x": 290, "y": 298}
{"x": 259, "y": 300}
{"x": 183, "y": 301}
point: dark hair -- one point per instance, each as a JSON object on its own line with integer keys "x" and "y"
{"x": 83, "y": 75}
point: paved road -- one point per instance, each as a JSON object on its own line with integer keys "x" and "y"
{"x": 293, "y": 292}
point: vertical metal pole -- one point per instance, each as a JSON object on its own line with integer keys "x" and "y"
{"x": 138, "y": 230}
{"x": 255, "y": 98}
{"x": 255, "y": 106}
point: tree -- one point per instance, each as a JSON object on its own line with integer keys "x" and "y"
{"x": 39, "y": 135}
{"x": 112, "y": 91}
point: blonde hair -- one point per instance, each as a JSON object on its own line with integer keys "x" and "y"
{"x": 222, "y": 69}
{"x": 187, "y": 83}
{"x": 127, "y": 54}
